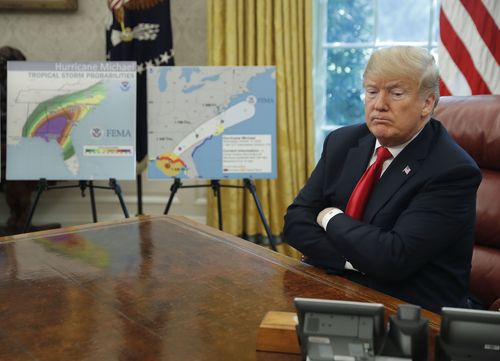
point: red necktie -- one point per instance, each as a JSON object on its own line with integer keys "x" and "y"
{"x": 360, "y": 194}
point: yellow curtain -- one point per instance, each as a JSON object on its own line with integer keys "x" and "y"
{"x": 265, "y": 32}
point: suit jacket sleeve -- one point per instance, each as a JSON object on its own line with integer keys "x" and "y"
{"x": 439, "y": 214}
{"x": 411, "y": 221}
{"x": 301, "y": 230}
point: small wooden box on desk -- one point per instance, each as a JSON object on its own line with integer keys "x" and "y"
{"x": 277, "y": 333}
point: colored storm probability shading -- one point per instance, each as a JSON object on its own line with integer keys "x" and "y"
{"x": 55, "y": 118}
{"x": 170, "y": 164}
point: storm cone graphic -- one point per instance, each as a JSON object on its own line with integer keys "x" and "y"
{"x": 55, "y": 119}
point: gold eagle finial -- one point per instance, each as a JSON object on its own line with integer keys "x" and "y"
{"x": 118, "y": 7}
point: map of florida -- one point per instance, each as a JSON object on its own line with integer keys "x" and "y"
{"x": 55, "y": 119}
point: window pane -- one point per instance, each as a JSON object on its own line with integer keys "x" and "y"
{"x": 350, "y": 21}
{"x": 344, "y": 87}
{"x": 435, "y": 28}
{"x": 403, "y": 20}
{"x": 365, "y": 23}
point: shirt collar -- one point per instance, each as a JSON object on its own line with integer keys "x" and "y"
{"x": 395, "y": 150}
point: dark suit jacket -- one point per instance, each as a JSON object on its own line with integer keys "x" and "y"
{"x": 415, "y": 240}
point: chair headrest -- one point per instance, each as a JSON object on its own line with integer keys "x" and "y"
{"x": 474, "y": 123}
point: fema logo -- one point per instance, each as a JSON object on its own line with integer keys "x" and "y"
{"x": 125, "y": 86}
{"x": 96, "y": 133}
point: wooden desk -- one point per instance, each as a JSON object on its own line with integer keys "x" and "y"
{"x": 153, "y": 288}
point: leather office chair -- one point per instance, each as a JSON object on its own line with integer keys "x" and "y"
{"x": 474, "y": 123}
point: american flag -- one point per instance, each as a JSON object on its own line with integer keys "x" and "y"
{"x": 116, "y": 4}
{"x": 469, "y": 51}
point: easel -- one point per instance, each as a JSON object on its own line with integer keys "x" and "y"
{"x": 138, "y": 181}
{"x": 44, "y": 186}
{"x": 216, "y": 186}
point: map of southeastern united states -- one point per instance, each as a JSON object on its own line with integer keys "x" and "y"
{"x": 54, "y": 119}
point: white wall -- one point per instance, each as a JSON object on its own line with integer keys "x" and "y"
{"x": 79, "y": 36}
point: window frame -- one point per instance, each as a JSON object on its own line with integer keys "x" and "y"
{"x": 321, "y": 47}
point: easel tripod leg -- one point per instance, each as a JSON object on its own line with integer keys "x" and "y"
{"x": 251, "y": 187}
{"x": 173, "y": 189}
{"x": 83, "y": 186}
{"x": 118, "y": 191}
{"x": 92, "y": 201}
{"x": 139, "y": 194}
{"x": 216, "y": 188}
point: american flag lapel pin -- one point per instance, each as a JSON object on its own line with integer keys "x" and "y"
{"x": 407, "y": 170}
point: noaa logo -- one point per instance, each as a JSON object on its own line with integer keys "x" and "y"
{"x": 125, "y": 86}
{"x": 96, "y": 133}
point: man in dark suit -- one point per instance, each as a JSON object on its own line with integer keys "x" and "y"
{"x": 412, "y": 237}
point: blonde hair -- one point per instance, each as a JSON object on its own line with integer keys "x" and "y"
{"x": 406, "y": 62}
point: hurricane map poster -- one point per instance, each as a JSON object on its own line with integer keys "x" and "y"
{"x": 212, "y": 122}
{"x": 71, "y": 121}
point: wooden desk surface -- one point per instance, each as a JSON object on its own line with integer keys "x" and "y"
{"x": 151, "y": 288}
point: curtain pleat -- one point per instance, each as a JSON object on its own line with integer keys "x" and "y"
{"x": 263, "y": 32}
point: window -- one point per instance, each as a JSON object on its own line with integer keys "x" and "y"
{"x": 346, "y": 33}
